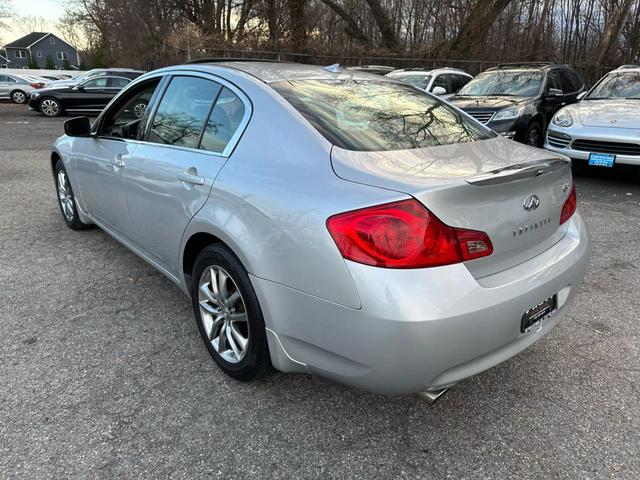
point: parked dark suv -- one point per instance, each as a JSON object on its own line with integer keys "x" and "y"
{"x": 519, "y": 100}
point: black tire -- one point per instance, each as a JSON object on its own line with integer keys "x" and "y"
{"x": 70, "y": 216}
{"x": 534, "y": 135}
{"x": 256, "y": 362}
{"x": 18, "y": 96}
{"x": 50, "y": 107}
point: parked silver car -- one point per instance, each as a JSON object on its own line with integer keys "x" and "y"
{"x": 604, "y": 128}
{"x": 331, "y": 222}
{"x": 443, "y": 82}
{"x": 17, "y": 87}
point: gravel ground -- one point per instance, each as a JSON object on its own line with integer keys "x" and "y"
{"x": 103, "y": 374}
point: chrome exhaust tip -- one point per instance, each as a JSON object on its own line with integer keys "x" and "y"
{"x": 432, "y": 396}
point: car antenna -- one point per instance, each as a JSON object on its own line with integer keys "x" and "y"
{"x": 335, "y": 68}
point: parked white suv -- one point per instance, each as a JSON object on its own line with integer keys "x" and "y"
{"x": 443, "y": 82}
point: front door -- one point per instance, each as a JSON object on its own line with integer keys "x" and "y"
{"x": 101, "y": 160}
{"x": 98, "y": 166}
{"x": 553, "y": 103}
{"x": 172, "y": 171}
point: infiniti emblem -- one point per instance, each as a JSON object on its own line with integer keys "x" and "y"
{"x": 531, "y": 202}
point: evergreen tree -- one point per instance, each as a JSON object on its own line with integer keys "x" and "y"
{"x": 33, "y": 64}
{"x": 49, "y": 65}
{"x": 66, "y": 65}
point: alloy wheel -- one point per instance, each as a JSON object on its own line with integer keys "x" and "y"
{"x": 223, "y": 313}
{"x": 139, "y": 109}
{"x": 19, "y": 97}
{"x": 49, "y": 107}
{"x": 65, "y": 196}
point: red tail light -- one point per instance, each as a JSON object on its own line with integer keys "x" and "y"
{"x": 569, "y": 206}
{"x": 37, "y": 85}
{"x": 404, "y": 235}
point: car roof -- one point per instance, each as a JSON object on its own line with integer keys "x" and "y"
{"x": 269, "y": 72}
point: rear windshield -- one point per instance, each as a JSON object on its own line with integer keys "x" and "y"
{"x": 368, "y": 115}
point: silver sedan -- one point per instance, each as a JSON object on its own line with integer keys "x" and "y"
{"x": 604, "y": 128}
{"x": 17, "y": 87}
{"x": 331, "y": 222}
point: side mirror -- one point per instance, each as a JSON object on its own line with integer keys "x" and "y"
{"x": 78, "y": 127}
{"x": 555, "y": 92}
{"x": 78, "y": 88}
{"x": 438, "y": 90}
{"x": 581, "y": 95}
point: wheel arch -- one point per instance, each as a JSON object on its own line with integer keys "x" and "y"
{"x": 197, "y": 239}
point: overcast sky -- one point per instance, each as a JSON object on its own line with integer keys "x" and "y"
{"x": 50, "y": 10}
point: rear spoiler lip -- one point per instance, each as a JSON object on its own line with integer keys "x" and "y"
{"x": 520, "y": 171}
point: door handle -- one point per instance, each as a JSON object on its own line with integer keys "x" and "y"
{"x": 118, "y": 161}
{"x": 189, "y": 178}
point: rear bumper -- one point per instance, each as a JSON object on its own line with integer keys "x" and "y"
{"x": 423, "y": 328}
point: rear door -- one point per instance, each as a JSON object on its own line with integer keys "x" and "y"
{"x": 6, "y": 85}
{"x": 189, "y": 137}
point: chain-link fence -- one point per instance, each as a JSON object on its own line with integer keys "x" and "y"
{"x": 589, "y": 73}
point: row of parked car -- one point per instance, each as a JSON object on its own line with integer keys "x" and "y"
{"x": 545, "y": 105}
{"x": 526, "y": 102}
{"x": 52, "y": 96}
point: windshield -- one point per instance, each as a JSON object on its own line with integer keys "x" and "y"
{"x": 521, "y": 84}
{"x": 368, "y": 115}
{"x": 617, "y": 85}
{"x": 420, "y": 81}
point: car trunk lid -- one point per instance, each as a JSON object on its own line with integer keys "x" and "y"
{"x": 487, "y": 185}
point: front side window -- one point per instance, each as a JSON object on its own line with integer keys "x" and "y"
{"x": 369, "y": 115}
{"x": 96, "y": 83}
{"x": 225, "y": 119}
{"x": 444, "y": 82}
{"x": 122, "y": 120}
{"x": 183, "y": 110}
{"x": 505, "y": 83}
{"x": 617, "y": 85}
{"x": 554, "y": 81}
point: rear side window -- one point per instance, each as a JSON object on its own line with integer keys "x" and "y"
{"x": 183, "y": 110}
{"x": 117, "y": 82}
{"x": 225, "y": 119}
{"x": 368, "y": 115}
